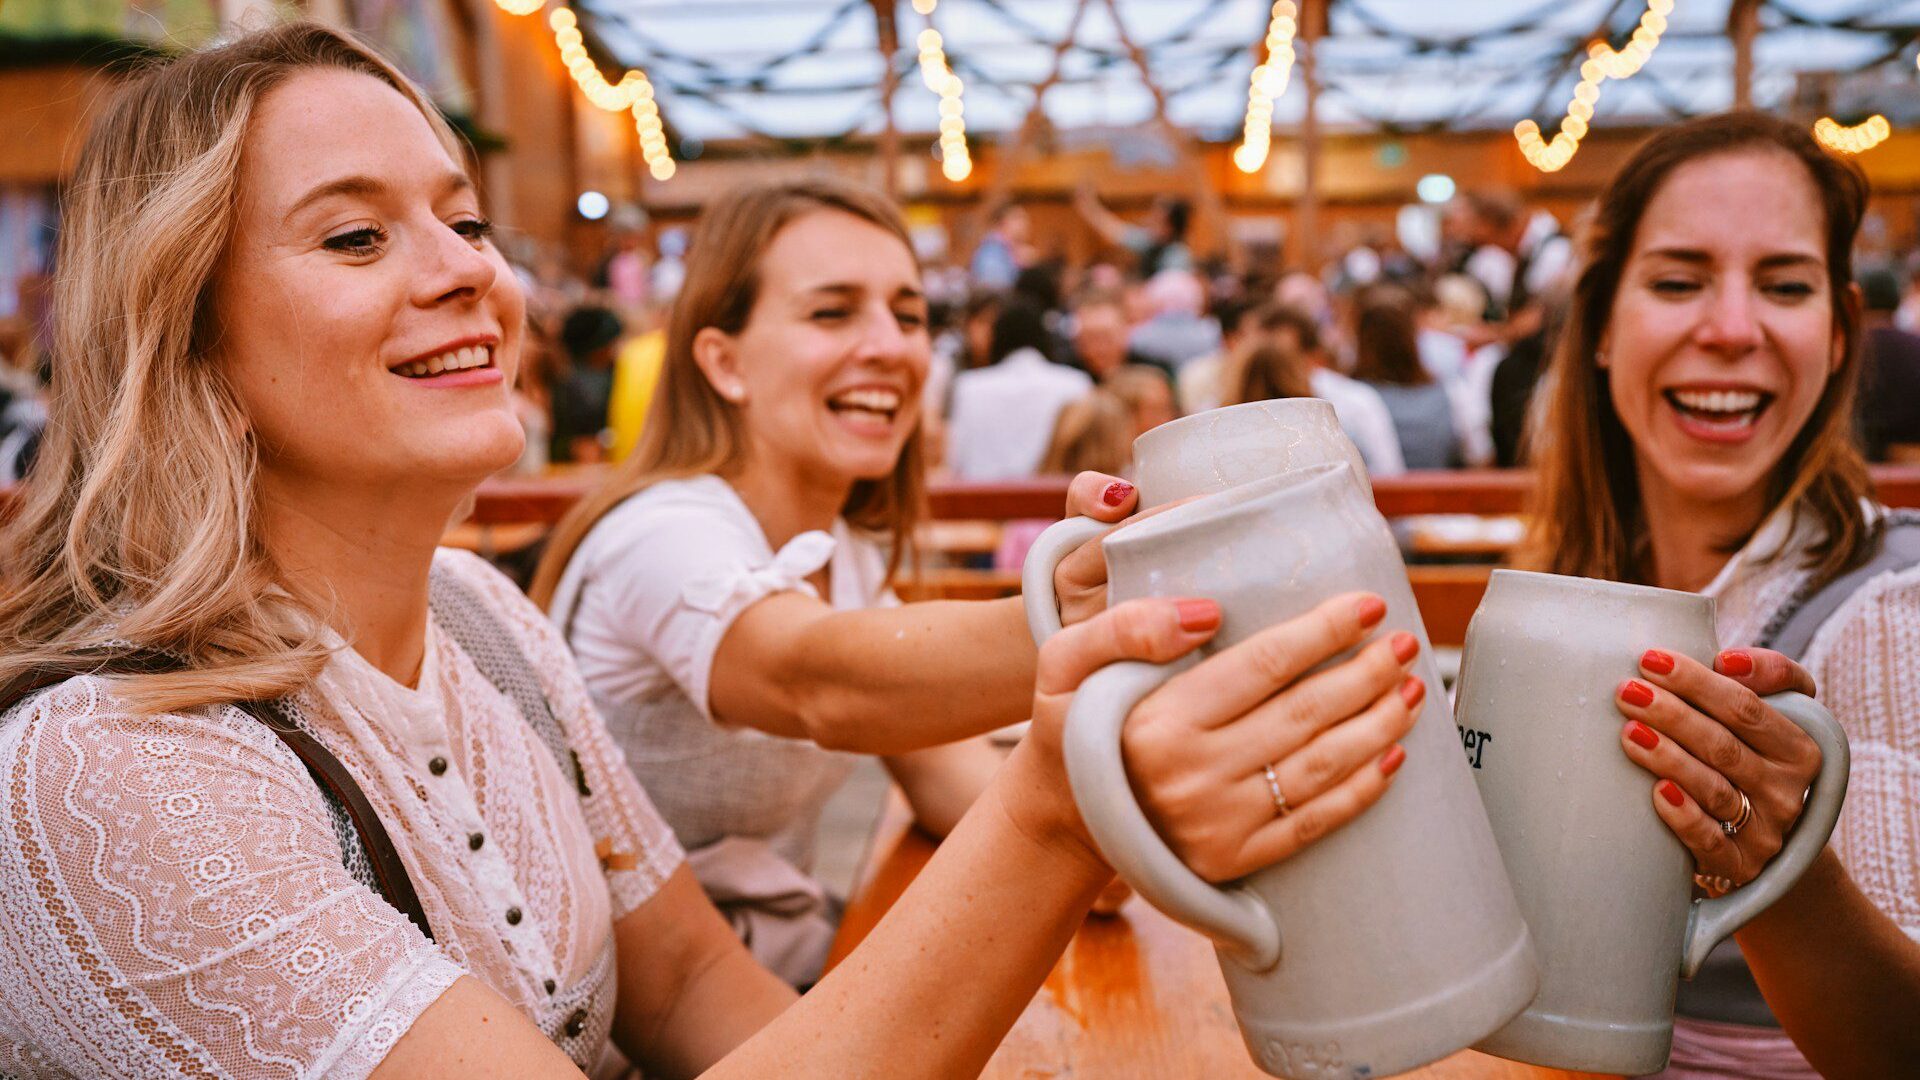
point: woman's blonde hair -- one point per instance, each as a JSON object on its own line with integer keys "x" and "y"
{"x": 1093, "y": 433}
{"x": 1584, "y": 513}
{"x": 690, "y": 429}
{"x": 136, "y": 528}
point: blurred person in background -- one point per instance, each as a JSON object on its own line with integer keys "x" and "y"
{"x": 1157, "y": 246}
{"x": 1387, "y": 359}
{"x": 1005, "y": 250}
{"x": 1100, "y": 337}
{"x": 1179, "y": 330}
{"x": 1147, "y": 394}
{"x": 590, "y": 337}
{"x": 1265, "y": 371}
{"x": 1003, "y": 414}
{"x": 636, "y": 372}
{"x": 1202, "y": 382}
{"x": 1517, "y": 254}
{"x": 1888, "y": 408}
{"x": 1362, "y": 412}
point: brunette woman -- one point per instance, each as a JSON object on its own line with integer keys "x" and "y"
{"x": 289, "y": 794}
{"x": 1697, "y": 436}
{"x": 1386, "y": 344}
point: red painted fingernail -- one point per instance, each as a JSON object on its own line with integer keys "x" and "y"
{"x": 1405, "y": 645}
{"x": 1636, "y": 693}
{"x": 1657, "y": 662}
{"x": 1734, "y": 662}
{"x": 1198, "y": 614}
{"x": 1642, "y": 735}
{"x": 1412, "y": 691}
{"x": 1372, "y": 610}
{"x": 1391, "y": 761}
{"x": 1670, "y": 791}
{"x": 1116, "y": 493}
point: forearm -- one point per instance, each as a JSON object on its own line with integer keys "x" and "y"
{"x": 1840, "y": 976}
{"x": 937, "y": 984}
{"x": 941, "y": 783}
{"x": 894, "y": 680}
{"x": 722, "y": 1006}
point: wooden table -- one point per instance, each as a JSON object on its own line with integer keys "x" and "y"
{"x": 1135, "y": 995}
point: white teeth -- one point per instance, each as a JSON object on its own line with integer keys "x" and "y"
{"x": 473, "y": 356}
{"x": 1718, "y": 401}
{"x": 873, "y": 400}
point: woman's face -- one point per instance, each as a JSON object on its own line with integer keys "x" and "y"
{"x": 368, "y": 326}
{"x": 828, "y": 368}
{"x": 1722, "y": 335}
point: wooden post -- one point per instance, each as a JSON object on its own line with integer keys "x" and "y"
{"x": 1743, "y": 24}
{"x": 1306, "y": 226}
{"x": 490, "y": 93}
{"x": 887, "y": 31}
{"x": 1007, "y": 163}
{"x": 1207, "y": 197}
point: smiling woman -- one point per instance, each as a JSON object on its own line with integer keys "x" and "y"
{"x": 1697, "y": 435}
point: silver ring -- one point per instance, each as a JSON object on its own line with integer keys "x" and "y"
{"x": 1280, "y": 807}
{"x": 1732, "y": 828}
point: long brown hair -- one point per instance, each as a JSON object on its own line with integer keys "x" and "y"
{"x": 137, "y": 526}
{"x": 691, "y": 430}
{"x": 1386, "y": 339}
{"x": 1585, "y": 515}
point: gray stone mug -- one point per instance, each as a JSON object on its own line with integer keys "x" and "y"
{"x": 1396, "y": 940}
{"x": 1604, "y": 884}
{"x": 1203, "y": 453}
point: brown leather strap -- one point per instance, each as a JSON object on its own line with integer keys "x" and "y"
{"x": 394, "y": 883}
{"x": 333, "y": 779}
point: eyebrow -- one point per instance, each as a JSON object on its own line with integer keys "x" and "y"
{"x": 370, "y": 187}
{"x": 1697, "y": 257}
{"x": 847, "y": 288}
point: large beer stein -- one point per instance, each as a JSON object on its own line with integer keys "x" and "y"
{"x": 1203, "y": 453}
{"x": 1396, "y": 940}
{"x": 1604, "y": 884}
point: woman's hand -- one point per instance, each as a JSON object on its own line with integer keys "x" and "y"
{"x": 1197, "y": 747}
{"x": 1710, "y": 739}
{"x": 1080, "y": 581}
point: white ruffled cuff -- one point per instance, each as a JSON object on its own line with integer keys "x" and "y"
{"x": 723, "y": 596}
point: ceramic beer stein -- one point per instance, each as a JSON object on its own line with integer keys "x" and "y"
{"x": 1396, "y": 940}
{"x": 1604, "y": 884}
{"x": 1203, "y": 453}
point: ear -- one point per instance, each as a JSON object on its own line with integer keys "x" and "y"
{"x": 713, "y": 351}
{"x": 1600, "y": 351}
{"x": 1856, "y": 304}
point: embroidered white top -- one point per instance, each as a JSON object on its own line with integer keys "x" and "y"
{"x": 173, "y": 901}
{"x": 1866, "y": 659}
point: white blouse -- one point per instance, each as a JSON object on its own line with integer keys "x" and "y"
{"x": 172, "y": 897}
{"x": 1866, "y": 660}
{"x": 645, "y": 602}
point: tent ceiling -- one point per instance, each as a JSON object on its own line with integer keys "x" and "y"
{"x": 810, "y": 69}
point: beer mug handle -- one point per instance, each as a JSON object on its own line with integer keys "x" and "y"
{"x": 1036, "y": 574}
{"x": 1713, "y": 920}
{"x": 1235, "y": 918}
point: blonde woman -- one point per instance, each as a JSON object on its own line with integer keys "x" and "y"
{"x": 729, "y": 594}
{"x": 1697, "y": 435}
{"x": 290, "y": 794}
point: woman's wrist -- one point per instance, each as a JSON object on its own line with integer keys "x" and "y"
{"x": 1032, "y": 795}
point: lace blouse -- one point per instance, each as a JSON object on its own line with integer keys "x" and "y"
{"x": 173, "y": 902}
{"x": 1866, "y": 659}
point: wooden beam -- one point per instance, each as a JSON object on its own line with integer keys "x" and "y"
{"x": 1743, "y": 25}
{"x": 1008, "y": 162}
{"x": 1313, "y": 24}
{"x": 887, "y": 32}
{"x": 1207, "y": 198}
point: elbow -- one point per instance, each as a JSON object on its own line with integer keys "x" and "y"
{"x": 831, "y": 718}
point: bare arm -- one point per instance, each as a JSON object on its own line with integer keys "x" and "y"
{"x": 942, "y": 782}
{"x": 894, "y": 680}
{"x": 1111, "y": 226}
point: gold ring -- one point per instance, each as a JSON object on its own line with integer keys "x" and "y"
{"x": 1732, "y": 828}
{"x": 1280, "y": 807}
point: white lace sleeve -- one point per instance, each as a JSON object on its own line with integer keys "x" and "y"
{"x": 639, "y": 851}
{"x": 173, "y": 904}
{"x": 1866, "y": 659}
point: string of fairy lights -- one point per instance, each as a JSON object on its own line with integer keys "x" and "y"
{"x": 1268, "y": 81}
{"x": 632, "y": 93}
{"x": 956, "y": 163}
{"x": 1857, "y": 139}
{"x": 1603, "y": 62}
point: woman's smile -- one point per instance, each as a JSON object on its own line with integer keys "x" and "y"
{"x": 1717, "y": 412}
{"x": 870, "y": 410}
{"x": 467, "y": 362}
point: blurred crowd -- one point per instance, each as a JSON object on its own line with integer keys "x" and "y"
{"x": 1046, "y": 367}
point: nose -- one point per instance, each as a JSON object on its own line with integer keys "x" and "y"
{"x": 883, "y": 339}
{"x": 453, "y": 269}
{"x": 1729, "y": 324}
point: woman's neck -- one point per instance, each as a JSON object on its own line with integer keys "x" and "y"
{"x": 785, "y": 499}
{"x": 361, "y": 561}
{"x": 1689, "y": 537}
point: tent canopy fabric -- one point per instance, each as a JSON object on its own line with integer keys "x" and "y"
{"x": 811, "y": 69}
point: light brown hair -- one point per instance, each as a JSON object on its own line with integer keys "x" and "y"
{"x": 1585, "y": 514}
{"x": 690, "y": 429}
{"x": 136, "y": 529}
{"x": 1093, "y": 433}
